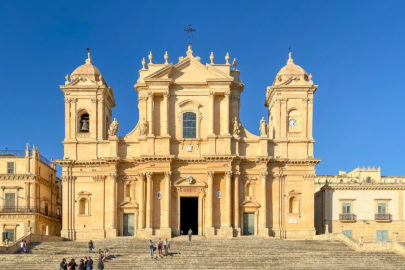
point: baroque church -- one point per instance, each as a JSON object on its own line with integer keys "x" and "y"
{"x": 189, "y": 163}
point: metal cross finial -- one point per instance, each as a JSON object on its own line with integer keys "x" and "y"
{"x": 189, "y": 30}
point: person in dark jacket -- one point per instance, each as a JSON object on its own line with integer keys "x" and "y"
{"x": 81, "y": 265}
{"x": 100, "y": 264}
{"x": 89, "y": 264}
{"x": 63, "y": 264}
{"x": 72, "y": 265}
{"x": 91, "y": 246}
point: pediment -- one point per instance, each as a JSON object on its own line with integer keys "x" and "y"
{"x": 84, "y": 193}
{"x": 82, "y": 80}
{"x": 250, "y": 204}
{"x": 190, "y": 181}
{"x": 129, "y": 204}
{"x": 188, "y": 70}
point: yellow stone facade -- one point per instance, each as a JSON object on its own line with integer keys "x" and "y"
{"x": 362, "y": 204}
{"x": 189, "y": 162}
{"x": 30, "y": 195}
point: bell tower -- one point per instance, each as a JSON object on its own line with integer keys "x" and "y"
{"x": 88, "y": 108}
{"x": 290, "y": 103}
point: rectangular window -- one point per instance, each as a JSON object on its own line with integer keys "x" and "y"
{"x": 10, "y": 167}
{"x": 189, "y": 125}
{"x": 8, "y": 234}
{"x": 346, "y": 208}
{"x": 46, "y": 208}
{"x": 10, "y": 201}
{"x": 382, "y": 208}
{"x": 381, "y": 235}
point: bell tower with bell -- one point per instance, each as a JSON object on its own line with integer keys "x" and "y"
{"x": 88, "y": 108}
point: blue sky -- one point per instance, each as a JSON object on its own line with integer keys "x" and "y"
{"x": 354, "y": 50}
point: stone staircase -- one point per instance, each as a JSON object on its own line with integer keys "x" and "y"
{"x": 242, "y": 253}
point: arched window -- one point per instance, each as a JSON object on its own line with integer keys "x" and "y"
{"x": 189, "y": 125}
{"x": 84, "y": 123}
{"x": 83, "y": 206}
{"x": 294, "y": 205}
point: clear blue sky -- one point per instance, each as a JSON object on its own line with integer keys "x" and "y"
{"x": 354, "y": 50}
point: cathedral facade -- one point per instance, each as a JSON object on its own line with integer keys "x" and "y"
{"x": 189, "y": 163}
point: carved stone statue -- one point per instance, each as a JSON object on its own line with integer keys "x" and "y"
{"x": 236, "y": 127}
{"x": 85, "y": 126}
{"x": 113, "y": 129}
{"x": 143, "y": 127}
{"x": 263, "y": 128}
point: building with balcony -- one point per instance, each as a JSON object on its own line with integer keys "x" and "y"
{"x": 30, "y": 194}
{"x": 361, "y": 204}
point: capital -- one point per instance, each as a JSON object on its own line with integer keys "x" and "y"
{"x": 228, "y": 173}
{"x": 168, "y": 174}
{"x": 150, "y": 94}
{"x": 227, "y": 93}
{"x": 210, "y": 174}
{"x": 166, "y": 94}
{"x": 149, "y": 175}
{"x": 263, "y": 173}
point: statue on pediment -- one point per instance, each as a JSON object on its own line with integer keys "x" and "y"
{"x": 263, "y": 128}
{"x": 143, "y": 127}
{"x": 113, "y": 129}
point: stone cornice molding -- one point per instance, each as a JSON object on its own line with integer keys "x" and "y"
{"x": 17, "y": 177}
{"x": 363, "y": 187}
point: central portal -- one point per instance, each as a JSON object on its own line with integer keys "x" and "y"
{"x": 189, "y": 214}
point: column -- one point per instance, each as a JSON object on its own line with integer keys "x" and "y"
{"x": 141, "y": 223}
{"x": 210, "y": 198}
{"x": 148, "y": 200}
{"x": 3, "y": 201}
{"x": 166, "y": 223}
{"x": 27, "y": 195}
{"x": 165, "y": 114}
{"x": 263, "y": 210}
{"x": 113, "y": 177}
{"x": 226, "y": 114}
{"x": 32, "y": 195}
{"x": 150, "y": 113}
{"x": 228, "y": 198}
{"x": 236, "y": 200}
{"x": 212, "y": 117}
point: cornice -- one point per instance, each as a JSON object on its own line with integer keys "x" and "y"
{"x": 364, "y": 187}
{"x": 17, "y": 176}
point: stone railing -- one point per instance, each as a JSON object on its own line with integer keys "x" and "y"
{"x": 393, "y": 246}
{"x": 14, "y": 247}
{"x": 34, "y": 210}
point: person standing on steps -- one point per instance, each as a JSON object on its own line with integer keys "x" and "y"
{"x": 63, "y": 264}
{"x": 81, "y": 264}
{"x": 91, "y": 246}
{"x": 89, "y": 264}
{"x": 100, "y": 264}
{"x": 152, "y": 248}
{"x": 160, "y": 246}
{"x": 72, "y": 265}
{"x": 22, "y": 247}
{"x": 190, "y": 234}
{"x": 166, "y": 246}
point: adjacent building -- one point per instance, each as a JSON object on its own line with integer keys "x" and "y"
{"x": 362, "y": 204}
{"x": 30, "y": 194}
{"x": 189, "y": 162}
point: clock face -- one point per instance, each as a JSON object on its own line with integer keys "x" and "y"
{"x": 293, "y": 123}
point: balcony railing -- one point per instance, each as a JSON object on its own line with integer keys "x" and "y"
{"x": 34, "y": 210}
{"x": 347, "y": 217}
{"x": 383, "y": 217}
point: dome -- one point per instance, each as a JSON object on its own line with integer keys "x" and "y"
{"x": 87, "y": 70}
{"x": 291, "y": 72}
